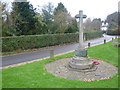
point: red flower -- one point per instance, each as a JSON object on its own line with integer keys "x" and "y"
{"x": 96, "y": 62}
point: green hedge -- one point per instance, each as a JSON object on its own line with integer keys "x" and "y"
{"x": 38, "y": 41}
{"x": 93, "y": 34}
{"x": 112, "y": 32}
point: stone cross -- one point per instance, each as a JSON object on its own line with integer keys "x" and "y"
{"x": 80, "y": 16}
{"x": 80, "y": 61}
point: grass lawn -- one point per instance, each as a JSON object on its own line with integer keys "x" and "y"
{"x": 34, "y": 75}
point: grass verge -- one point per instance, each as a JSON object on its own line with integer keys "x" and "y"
{"x": 34, "y": 75}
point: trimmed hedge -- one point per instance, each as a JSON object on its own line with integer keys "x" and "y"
{"x": 39, "y": 41}
{"x": 93, "y": 34}
{"x": 113, "y": 32}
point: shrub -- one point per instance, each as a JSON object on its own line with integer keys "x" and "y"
{"x": 113, "y": 32}
{"x": 92, "y": 35}
{"x": 39, "y": 41}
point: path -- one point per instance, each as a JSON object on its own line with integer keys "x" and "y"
{"x": 29, "y": 56}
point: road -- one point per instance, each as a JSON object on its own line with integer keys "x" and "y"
{"x": 29, "y": 56}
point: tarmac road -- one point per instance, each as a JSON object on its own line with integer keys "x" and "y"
{"x": 29, "y": 56}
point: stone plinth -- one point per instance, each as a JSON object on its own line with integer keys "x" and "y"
{"x": 81, "y": 63}
{"x": 81, "y": 53}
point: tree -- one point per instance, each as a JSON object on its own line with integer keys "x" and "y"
{"x": 40, "y": 26}
{"x": 24, "y": 18}
{"x": 96, "y": 24}
{"x": 88, "y": 24}
{"x": 119, "y": 22}
{"x": 72, "y": 27}
{"x": 7, "y": 24}
{"x": 112, "y": 20}
{"x": 60, "y": 8}
{"x": 63, "y": 20}
{"x": 47, "y": 15}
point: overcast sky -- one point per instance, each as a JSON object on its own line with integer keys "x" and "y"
{"x": 92, "y": 8}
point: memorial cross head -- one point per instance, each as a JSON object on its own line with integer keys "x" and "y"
{"x": 78, "y": 16}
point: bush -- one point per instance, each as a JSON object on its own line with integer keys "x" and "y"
{"x": 39, "y": 41}
{"x": 93, "y": 34}
{"x": 113, "y": 32}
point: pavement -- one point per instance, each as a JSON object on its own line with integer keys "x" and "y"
{"x": 40, "y": 54}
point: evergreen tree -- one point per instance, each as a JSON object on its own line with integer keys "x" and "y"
{"x": 72, "y": 28}
{"x": 47, "y": 15}
{"x": 60, "y": 8}
{"x": 24, "y": 18}
{"x": 61, "y": 18}
{"x": 112, "y": 20}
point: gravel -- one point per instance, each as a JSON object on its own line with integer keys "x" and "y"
{"x": 60, "y": 68}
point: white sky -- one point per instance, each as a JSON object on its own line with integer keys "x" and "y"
{"x": 92, "y": 8}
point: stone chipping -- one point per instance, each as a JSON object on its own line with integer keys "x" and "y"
{"x": 60, "y": 68}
